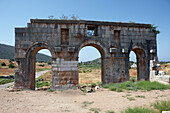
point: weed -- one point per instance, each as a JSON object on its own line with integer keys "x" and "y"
{"x": 162, "y": 105}
{"x": 40, "y": 84}
{"x": 130, "y": 98}
{"x": 141, "y": 85}
{"x": 110, "y": 111}
{"x": 139, "y": 110}
{"x": 99, "y": 83}
{"x": 128, "y": 94}
{"x": 74, "y": 87}
{"x": 140, "y": 96}
{"x": 95, "y": 110}
{"x": 11, "y": 65}
{"x": 5, "y": 81}
{"x": 93, "y": 84}
{"x": 50, "y": 90}
{"x": 86, "y": 103}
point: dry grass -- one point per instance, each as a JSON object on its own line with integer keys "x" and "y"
{"x": 90, "y": 77}
{"x": 133, "y": 73}
{"x": 39, "y": 68}
{"x": 166, "y": 68}
{"x": 47, "y": 76}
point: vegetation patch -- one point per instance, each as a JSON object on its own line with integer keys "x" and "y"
{"x": 162, "y": 105}
{"x": 140, "y": 85}
{"x": 95, "y": 110}
{"x": 3, "y": 64}
{"x": 86, "y": 103}
{"x": 110, "y": 111}
{"x": 140, "y": 96}
{"x": 11, "y": 65}
{"x": 5, "y": 81}
{"x": 158, "y": 107}
{"x": 40, "y": 84}
{"x": 131, "y": 98}
{"x": 139, "y": 110}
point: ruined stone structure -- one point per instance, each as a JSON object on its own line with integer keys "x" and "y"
{"x": 65, "y": 38}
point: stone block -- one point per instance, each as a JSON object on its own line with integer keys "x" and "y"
{"x": 124, "y": 50}
{"x": 71, "y": 49}
{"x": 57, "y": 49}
{"x": 113, "y": 50}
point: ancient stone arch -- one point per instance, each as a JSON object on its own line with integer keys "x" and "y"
{"x": 65, "y": 38}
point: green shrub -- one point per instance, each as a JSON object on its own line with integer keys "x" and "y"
{"x": 162, "y": 105}
{"x": 139, "y": 110}
{"x": 99, "y": 83}
{"x": 40, "y": 84}
{"x": 86, "y": 103}
{"x": 93, "y": 84}
{"x": 11, "y": 65}
{"x": 110, "y": 111}
{"x": 10, "y": 60}
{"x": 3, "y": 64}
{"x": 50, "y": 90}
{"x": 112, "y": 88}
{"x": 95, "y": 110}
{"x": 140, "y": 96}
{"x": 130, "y": 98}
{"x": 49, "y": 62}
{"x": 42, "y": 65}
{"x": 5, "y": 81}
{"x": 132, "y": 79}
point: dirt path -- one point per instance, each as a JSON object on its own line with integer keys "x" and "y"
{"x": 38, "y": 74}
{"x": 72, "y": 101}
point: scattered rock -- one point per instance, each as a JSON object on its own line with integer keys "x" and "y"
{"x": 43, "y": 88}
{"x": 89, "y": 88}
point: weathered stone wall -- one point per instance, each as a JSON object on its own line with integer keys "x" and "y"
{"x": 65, "y": 38}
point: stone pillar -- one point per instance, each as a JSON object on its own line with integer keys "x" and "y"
{"x": 65, "y": 74}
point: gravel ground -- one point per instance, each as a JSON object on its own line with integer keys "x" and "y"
{"x": 72, "y": 100}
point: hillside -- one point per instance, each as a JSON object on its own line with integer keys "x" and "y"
{"x": 8, "y": 52}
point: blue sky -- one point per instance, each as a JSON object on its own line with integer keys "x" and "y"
{"x": 17, "y": 13}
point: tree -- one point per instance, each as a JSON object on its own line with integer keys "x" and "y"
{"x": 154, "y": 28}
{"x": 11, "y": 65}
{"x": 3, "y": 64}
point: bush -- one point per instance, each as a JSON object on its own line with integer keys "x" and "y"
{"x": 3, "y": 64}
{"x": 50, "y": 90}
{"x": 49, "y": 62}
{"x": 132, "y": 79}
{"x": 5, "y": 81}
{"x": 10, "y": 60}
{"x": 11, "y": 65}
{"x": 40, "y": 84}
{"x": 42, "y": 65}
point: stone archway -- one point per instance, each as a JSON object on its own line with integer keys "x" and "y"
{"x": 31, "y": 59}
{"x": 65, "y": 38}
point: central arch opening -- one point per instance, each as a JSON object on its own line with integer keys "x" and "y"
{"x": 89, "y": 65}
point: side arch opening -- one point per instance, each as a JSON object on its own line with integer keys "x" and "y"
{"x": 40, "y": 68}
{"x": 137, "y": 64}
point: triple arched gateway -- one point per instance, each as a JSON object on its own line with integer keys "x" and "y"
{"x": 65, "y": 38}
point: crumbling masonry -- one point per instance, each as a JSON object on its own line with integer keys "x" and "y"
{"x": 65, "y": 38}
